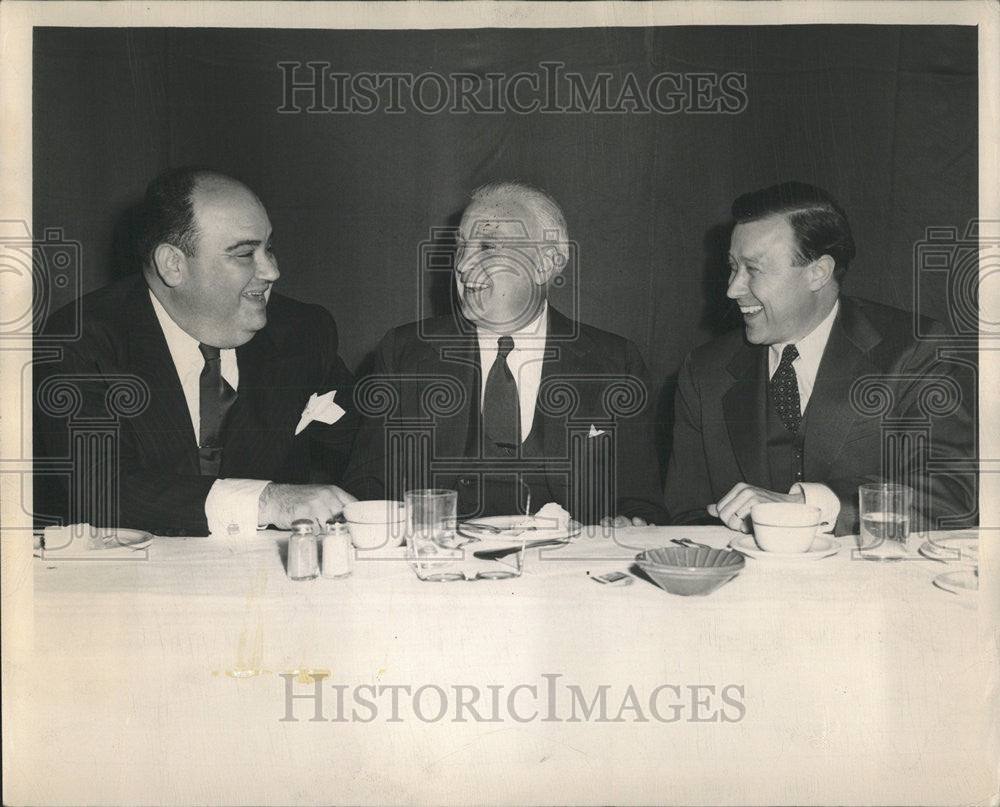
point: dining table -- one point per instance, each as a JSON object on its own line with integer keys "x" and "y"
{"x": 194, "y": 671}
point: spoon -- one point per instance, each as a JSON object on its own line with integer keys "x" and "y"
{"x": 688, "y": 542}
{"x": 495, "y": 529}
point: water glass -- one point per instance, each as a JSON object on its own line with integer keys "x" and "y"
{"x": 885, "y": 520}
{"x": 431, "y": 534}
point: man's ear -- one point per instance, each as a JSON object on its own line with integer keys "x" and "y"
{"x": 169, "y": 263}
{"x": 820, "y": 272}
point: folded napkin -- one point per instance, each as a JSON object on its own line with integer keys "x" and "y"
{"x": 321, "y": 408}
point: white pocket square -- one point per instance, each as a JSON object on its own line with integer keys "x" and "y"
{"x": 321, "y": 408}
{"x": 595, "y": 432}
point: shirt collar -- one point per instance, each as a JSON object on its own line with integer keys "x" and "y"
{"x": 182, "y": 346}
{"x": 527, "y": 338}
{"x": 810, "y": 346}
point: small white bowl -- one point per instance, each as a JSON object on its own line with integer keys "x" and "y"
{"x": 376, "y": 524}
{"x": 785, "y": 526}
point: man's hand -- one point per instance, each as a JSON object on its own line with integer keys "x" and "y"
{"x": 734, "y": 508}
{"x": 280, "y": 505}
{"x": 623, "y": 521}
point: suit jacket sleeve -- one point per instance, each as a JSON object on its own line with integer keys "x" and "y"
{"x": 924, "y": 387}
{"x": 89, "y": 386}
{"x": 92, "y": 387}
{"x": 688, "y": 489}
{"x": 331, "y": 444}
{"x": 365, "y": 477}
{"x": 639, "y": 490}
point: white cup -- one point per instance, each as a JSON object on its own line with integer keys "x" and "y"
{"x": 784, "y": 526}
{"x": 376, "y": 523}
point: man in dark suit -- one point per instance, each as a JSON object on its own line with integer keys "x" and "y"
{"x": 819, "y": 392}
{"x": 510, "y": 403}
{"x": 181, "y": 406}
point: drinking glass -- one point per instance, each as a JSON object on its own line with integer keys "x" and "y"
{"x": 885, "y": 520}
{"x": 431, "y": 538}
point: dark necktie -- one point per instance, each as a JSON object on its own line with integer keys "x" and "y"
{"x": 785, "y": 390}
{"x": 501, "y": 407}
{"x": 216, "y": 399}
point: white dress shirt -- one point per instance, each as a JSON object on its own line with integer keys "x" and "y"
{"x": 806, "y": 365}
{"x": 810, "y": 350}
{"x": 231, "y": 504}
{"x": 524, "y": 361}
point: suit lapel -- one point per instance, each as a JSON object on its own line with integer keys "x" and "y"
{"x": 744, "y": 405}
{"x": 149, "y": 358}
{"x": 266, "y": 405}
{"x": 562, "y": 361}
{"x": 456, "y": 359}
{"x": 829, "y": 413}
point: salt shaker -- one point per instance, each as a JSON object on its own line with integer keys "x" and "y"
{"x": 302, "y": 555}
{"x": 337, "y": 552}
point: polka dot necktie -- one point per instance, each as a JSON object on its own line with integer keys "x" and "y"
{"x": 216, "y": 399}
{"x": 501, "y": 406}
{"x": 785, "y": 390}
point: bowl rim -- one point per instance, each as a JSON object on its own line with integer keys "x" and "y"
{"x": 800, "y": 505}
{"x": 733, "y": 558}
{"x": 384, "y": 518}
{"x": 787, "y": 526}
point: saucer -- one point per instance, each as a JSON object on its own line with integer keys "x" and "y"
{"x": 95, "y": 543}
{"x": 821, "y": 548}
{"x": 964, "y": 582}
{"x": 961, "y": 548}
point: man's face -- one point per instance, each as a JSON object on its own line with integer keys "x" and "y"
{"x": 226, "y": 284}
{"x": 775, "y": 297}
{"x": 500, "y": 270}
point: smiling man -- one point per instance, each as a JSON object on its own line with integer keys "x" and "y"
{"x": 766, "y": 413}
{"x": 219, "y": 368}
{"x": 508, "y": 401}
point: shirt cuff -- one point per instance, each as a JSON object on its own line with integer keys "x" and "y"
{"x": 232, "y": 504}
{"x": 819, "y": 495}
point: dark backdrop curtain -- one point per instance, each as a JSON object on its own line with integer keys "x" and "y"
{"x": 884, "y": 117}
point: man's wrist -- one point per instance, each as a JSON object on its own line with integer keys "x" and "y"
{"x": 233, "y": 506}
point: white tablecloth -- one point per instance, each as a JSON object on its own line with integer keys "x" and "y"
{"x": 830, "y": 681}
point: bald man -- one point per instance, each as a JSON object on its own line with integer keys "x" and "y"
{"x": 508, "y": 401}
{"x": 217, "y": 437}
